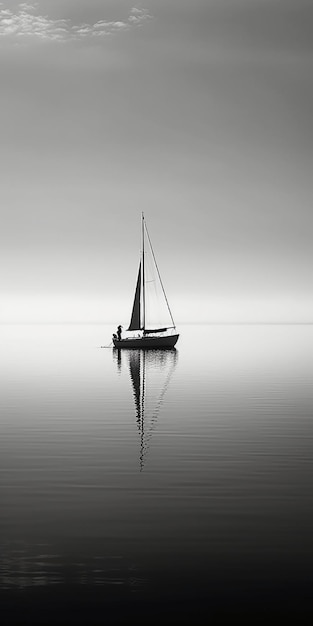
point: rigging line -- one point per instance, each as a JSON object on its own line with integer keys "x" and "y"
{"x": 160, "y": 279}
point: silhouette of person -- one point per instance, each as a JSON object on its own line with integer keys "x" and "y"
{"x": 119, "y": 332}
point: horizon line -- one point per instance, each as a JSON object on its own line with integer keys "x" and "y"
{"x": 215, "y": 323}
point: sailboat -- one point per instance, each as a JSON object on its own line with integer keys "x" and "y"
{"x": 144, "y": 335}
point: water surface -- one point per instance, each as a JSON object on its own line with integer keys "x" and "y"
{"x": 153, "y": 485}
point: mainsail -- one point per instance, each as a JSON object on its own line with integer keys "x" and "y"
{"x": 135, "y": 317}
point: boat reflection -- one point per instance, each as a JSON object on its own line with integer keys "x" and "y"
{"x": 150, "y": 373}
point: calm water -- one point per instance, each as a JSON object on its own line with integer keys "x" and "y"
{"x": 159, "y": 485}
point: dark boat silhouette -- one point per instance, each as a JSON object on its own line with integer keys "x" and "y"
{"x": 144, "y": 336}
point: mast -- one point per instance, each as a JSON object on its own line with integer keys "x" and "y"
{"x": 143, "y": 273}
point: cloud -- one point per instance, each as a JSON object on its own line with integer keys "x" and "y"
{"x": 26, "y": 22}
{"x": 137, "y": 16}
{"x": 106, "y": 28}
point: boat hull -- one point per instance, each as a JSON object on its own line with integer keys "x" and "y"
{"x": 146, "y": 343}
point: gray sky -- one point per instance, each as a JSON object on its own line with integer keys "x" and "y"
{"x": 198, "y": 113}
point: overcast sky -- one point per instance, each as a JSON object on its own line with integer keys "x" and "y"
{"x": 198, "y": 113}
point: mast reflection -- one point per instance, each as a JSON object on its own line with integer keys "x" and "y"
{"x": 150, "y": 373}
